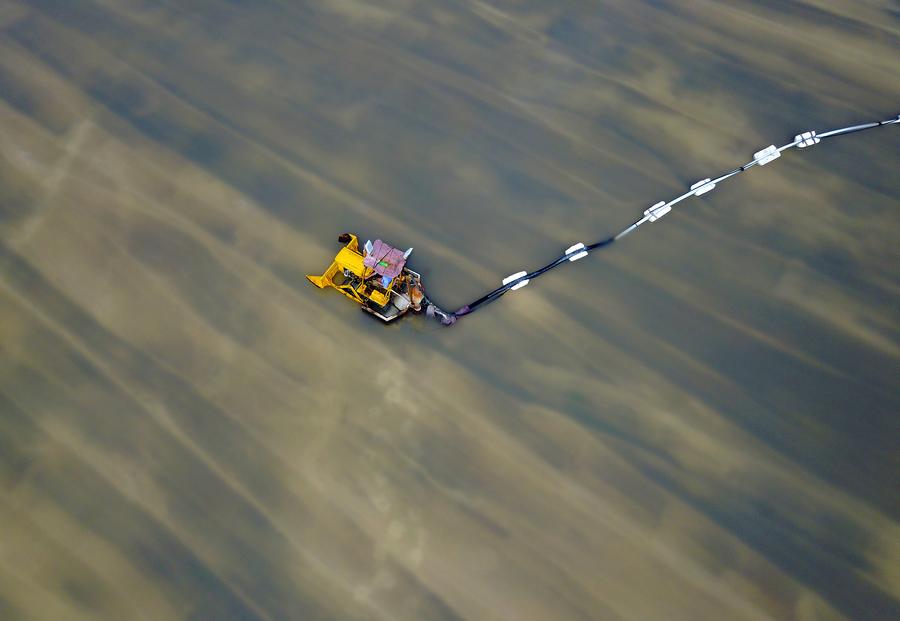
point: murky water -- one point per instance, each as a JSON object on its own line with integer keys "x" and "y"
{"x": 699, "y": 423}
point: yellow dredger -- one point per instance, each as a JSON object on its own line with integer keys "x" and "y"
{"x": 377, "y": 279}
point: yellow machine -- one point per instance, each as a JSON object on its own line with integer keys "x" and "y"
{"x": 377, "y": 279}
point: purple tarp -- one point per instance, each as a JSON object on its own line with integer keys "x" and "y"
{"x": 385, "y": 260}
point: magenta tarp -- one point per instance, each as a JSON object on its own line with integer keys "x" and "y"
{"x": 385, "y": 260}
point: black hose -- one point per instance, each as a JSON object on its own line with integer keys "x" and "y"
{"x": 650, "y": 215}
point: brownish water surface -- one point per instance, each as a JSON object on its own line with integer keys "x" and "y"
{"x": 698, "y": 423}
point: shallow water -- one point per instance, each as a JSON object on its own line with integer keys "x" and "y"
{"x": 697, "y": 423}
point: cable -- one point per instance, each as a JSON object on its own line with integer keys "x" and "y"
{"x": 654, "y": 213}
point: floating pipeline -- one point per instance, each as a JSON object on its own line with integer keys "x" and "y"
{"x": 579, "y": 251}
